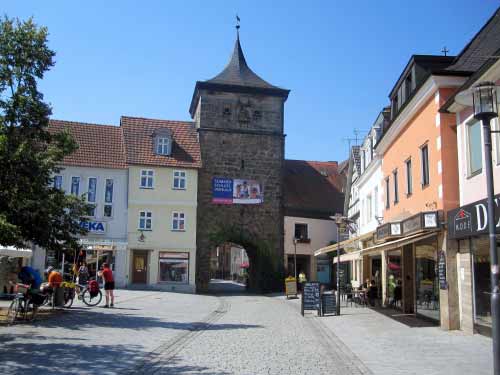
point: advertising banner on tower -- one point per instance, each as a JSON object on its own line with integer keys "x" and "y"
{"x": 236, "y": 191}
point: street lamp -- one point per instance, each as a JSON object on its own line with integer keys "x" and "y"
{"x": 341, "y": 222}
{"x": 484, "y": 100}
{"x": 295, "y": 258}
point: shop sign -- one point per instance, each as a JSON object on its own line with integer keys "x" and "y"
{"x": 388, "y": 230}
{"x": 472, "y": 219}
{"x": 236, "y": 191}
{"x": 94, "y": 227}
{"x": 420, "y": 221}
{"x": 443, "y": 284}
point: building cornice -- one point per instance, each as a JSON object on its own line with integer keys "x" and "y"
{"x": 414, "y": 106}
{"x": 368, "y": 172}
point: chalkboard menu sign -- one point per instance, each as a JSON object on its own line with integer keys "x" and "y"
{"x": 311, "y": 297}
{"x": 442, "y": 270}
{"x": 328, "y": 303}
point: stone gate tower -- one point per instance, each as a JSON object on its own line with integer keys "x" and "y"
{"x": 240, "y": 121}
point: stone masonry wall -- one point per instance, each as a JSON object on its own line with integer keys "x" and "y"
{"x": 241, "y": 136}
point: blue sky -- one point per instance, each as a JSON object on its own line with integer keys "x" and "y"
{"x": 339, "y": 59}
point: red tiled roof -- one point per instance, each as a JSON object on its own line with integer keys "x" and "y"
{"x": 138, "y": 139}
{"x": 312, "y": 189}
{"x": 100, "y": 146}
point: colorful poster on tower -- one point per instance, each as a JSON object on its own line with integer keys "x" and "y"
{"x": 236, "y": 191}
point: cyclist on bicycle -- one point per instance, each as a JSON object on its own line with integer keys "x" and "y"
{"x": 30, "y": 276}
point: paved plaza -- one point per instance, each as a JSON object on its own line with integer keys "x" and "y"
{"x": 169, "y": 333}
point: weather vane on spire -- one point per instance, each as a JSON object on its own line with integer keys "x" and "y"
{"x": 237, "y": 22}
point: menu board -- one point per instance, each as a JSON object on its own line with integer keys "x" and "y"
{"x": 311, "y": 296}
{"x": 442, "y": 270}
{"x": 329, "y": 303}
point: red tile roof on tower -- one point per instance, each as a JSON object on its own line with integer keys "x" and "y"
{"x": 100, "y": 146}
{"x": 313, "y": 189}
{"x": 138, "y": 140}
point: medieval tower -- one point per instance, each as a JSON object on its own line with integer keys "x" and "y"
{"x": 240, "y": 123}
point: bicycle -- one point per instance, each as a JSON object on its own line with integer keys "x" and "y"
{"x": 86, "y": 296}
{"x": 69, "y": 295}
{"x": 22, "y": 305}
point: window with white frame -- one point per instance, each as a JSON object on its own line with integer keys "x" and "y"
{"x": 496, "y": 126}
{"x": 58, "y": 181}
{"x": 424, "y": 165}
{"x": 91, "y": 195}
{"x": 369, "y": 213}
{"x": 179, "y": 180}
{"x": 147, "y": 177}
{"x": 474, "y": 147}
{"x": 395, "y": 181}
{"x": 178, "y": 221}
{"x": 145, "y": 220}
{"x": 375, "y": 201}
{"x": 75, "y": 185}
{"x": 108, "y": 198}
{"x": 409, "y": 178}
{"x": 163, "y": 145}
{"x": 387, "y": 193}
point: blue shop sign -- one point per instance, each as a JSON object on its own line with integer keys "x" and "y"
{"x": 94, "y": 227}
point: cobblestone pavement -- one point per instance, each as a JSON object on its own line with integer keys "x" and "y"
{"x": 168, "y": 333}
{"x": 391, "y": 343}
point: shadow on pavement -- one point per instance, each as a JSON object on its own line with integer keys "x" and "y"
{"x": 56, "y": 358}
{"x": 409, "y": 320}
{"x": 87, "y": 318}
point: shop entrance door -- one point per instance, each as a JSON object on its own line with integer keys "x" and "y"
{"x": 140, "y": 267}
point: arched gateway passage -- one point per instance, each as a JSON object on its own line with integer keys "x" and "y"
{"x": 239, "y": 118}
{"x": 248, "y": 261}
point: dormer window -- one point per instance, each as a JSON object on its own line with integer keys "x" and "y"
{"x": 163, "y": 146}
{"x": 162, "y": 142}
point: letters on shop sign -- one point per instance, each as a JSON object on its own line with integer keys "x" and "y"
{"x": 472, "y": 219}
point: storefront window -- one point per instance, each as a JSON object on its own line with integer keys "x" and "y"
{"x": 393, "y": 279}
{"x": 174, "y": 267}
{"x": 426, "y": 279}
{"x": 482, "y": 287}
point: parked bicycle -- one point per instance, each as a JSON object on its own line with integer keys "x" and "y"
{"x": 90, "y": 293}
{"x": 24, "y": 305}
{"x": 68, "y": 297}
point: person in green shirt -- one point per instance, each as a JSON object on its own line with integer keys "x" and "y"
{"x": 391, "y": 287}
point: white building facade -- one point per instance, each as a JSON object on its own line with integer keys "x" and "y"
{"x": 102, "y": 179}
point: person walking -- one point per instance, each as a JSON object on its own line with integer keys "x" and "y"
{"x": 109, "y": 285}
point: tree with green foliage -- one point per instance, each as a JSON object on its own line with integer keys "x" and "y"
{"x": 32, "y": 211}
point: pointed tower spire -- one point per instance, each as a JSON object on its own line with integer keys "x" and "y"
{"x": 237, "y": 72}
{"x": 237, "y": 77}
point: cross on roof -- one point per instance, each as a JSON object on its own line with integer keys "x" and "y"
{"x": 445, "y": 50}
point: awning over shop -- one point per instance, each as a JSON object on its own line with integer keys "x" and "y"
{"x": 14, "y": 252}
{"x": 342, "y": 244}
{"x": 355, "y": 255}
{"x": 397, "y": 243}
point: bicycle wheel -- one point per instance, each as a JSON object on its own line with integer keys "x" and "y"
{"x": 91, "y": 301}
{"x": 13, "y": 311}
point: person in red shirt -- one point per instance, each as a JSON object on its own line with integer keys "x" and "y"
{"x": 109, "y": 285}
